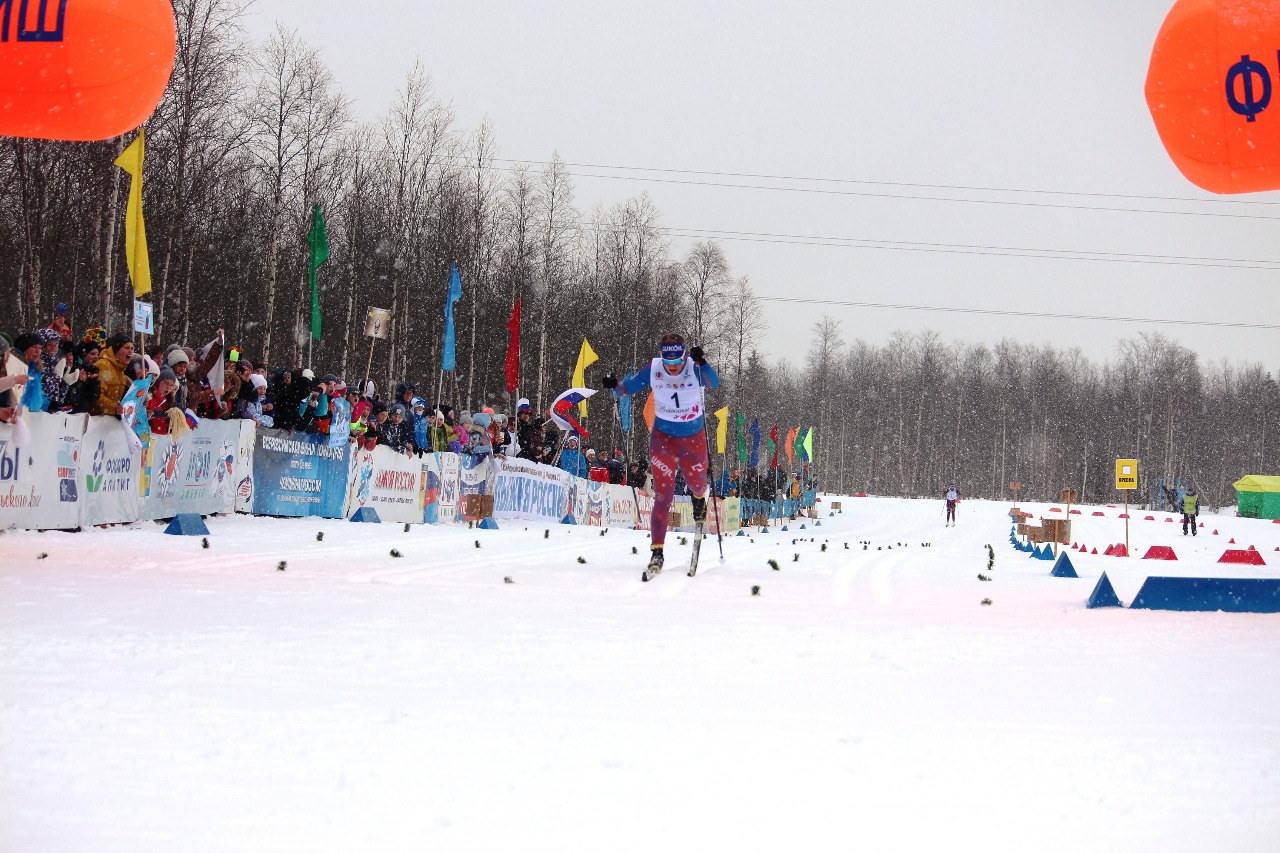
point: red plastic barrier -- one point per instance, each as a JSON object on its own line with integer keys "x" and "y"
{"x": 1239, "y": 555}
{"x": 1149, "y": 518}
{"x": 1159, "y": 552}
{"x": 1055, "y": 509}
{"x": 1103, "y": 514}
{"x": 1075, "y": 512}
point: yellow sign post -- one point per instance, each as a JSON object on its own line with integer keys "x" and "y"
{"x": 1126, "y": 479}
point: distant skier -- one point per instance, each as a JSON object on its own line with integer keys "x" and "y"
{"x": 679, "y": 438}
{"x": 953, "y": 498}
{"x": 1190, "y": 509}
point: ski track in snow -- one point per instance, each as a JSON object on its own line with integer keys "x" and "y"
{"x": 156, "y": 695}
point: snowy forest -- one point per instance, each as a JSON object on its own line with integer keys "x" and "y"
{"x": 248, "y": 137}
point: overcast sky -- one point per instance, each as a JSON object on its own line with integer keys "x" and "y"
{"x": 889, "y": 104}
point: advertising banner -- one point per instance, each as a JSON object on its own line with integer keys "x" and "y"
{"x": 111, "y": 474}
{"x": 606, "y": 505}
{"x": 244, "y": 466}
{"x": 443, "y": 487}
{"x": 39, "y": 477}
{"x": 527, "y": 490}
{"x": 196, "y": 473}
{"x": 476, "y": 476}
{"x": 387, "y": 481}
{"x": 644, "y": 508}
{"x": 297, "y": 474}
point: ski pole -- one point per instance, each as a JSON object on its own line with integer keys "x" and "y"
{"x": 626, "y": 475}
{"x": 702, "y": 391}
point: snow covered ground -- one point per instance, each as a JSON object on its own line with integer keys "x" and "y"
{"x": 158, "y": 696}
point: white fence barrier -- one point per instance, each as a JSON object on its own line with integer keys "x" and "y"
{"x": 70, "y": 471}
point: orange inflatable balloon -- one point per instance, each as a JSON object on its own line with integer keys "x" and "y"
{"x": 82, "y": 69}
{"x": 1213, "y": 88}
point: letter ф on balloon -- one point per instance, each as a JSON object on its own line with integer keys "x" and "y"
{"x": 1212, "y": 88}
{"x": 82, "y": 70}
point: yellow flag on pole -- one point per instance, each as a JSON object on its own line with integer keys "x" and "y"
{"x": 586, "y": 357}
{"x": 722, "y": 428}
{"x": 135, "y": 232}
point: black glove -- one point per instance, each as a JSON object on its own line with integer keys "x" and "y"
{"x": 696, "y": 354}
{"x": 609, "y": 380}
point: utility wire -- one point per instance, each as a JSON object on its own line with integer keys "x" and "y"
{"x": 1000, "y": 313}
{"x": 959, "y": 187}
{"x": 955, "y": 248}
{"x": 905, "y": 197}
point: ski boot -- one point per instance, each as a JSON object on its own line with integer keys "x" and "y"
{"x": 655, "y": 564}
{"x": 699, "y": 510}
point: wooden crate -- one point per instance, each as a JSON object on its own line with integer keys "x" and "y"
{"x": 759, "y": 520}
{"x": 477, "y": 507}
{"x": 835, "y": 505}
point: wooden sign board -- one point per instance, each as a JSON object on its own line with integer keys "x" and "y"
{"x": 1056, "y": 530}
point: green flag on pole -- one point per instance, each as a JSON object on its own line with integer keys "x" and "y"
{"x": 319, "y": 254}
{"x": 742, "y": 441}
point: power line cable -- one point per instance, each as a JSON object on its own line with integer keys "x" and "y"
{"x": 956, "y": 248}
{"x": 960, "y": 187}
{"x": 905, "y": 197}
{"x": 1006, "y": 313}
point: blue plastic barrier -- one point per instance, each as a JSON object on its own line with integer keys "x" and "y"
{"x": 187, "y": 524}
{"x": 366, "y": 514}
{"x": 1063, "y": 568}
{"x": 1104, "y": 594}
{"x": 1234, "y": 595}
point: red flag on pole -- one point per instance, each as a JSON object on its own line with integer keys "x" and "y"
{"x": 773, "y": 434}
{"x": 513, "y": 349}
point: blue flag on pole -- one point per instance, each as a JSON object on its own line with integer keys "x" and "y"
{"x": 800, "y": 449}
{"x": 449, "y": 359}
{"x": 755, "y": 442}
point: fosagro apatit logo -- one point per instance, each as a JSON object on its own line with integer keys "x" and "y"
{"x": 93, "y": 480}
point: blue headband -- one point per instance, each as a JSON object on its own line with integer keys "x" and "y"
{"x": 672, "y": 352}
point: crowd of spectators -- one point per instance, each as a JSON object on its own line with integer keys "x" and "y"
{"x": 50, "y": 370}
